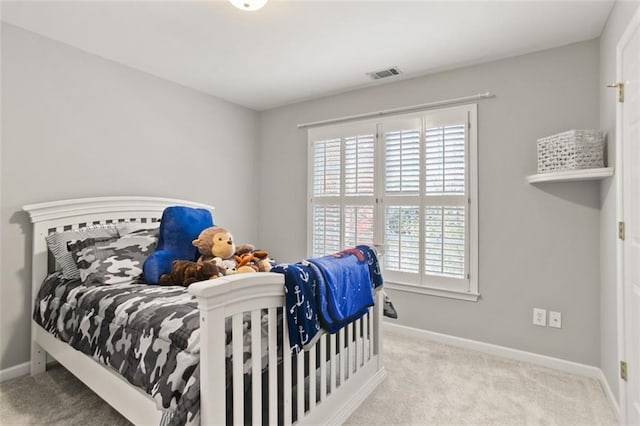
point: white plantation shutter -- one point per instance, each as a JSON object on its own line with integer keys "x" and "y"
{"x": 342, "y": 188}
{"x": 326, "y": 221}
{"x": 408, "y": 182}
{"x": 359, "y": 187}
{"x": 326, "y": 167}
{"x": 358, "y": 165}
{"x": 445, "y": 200}
{"x": 444, "y": 252}
{"x": 445, "y": 159}
{"x": 402, "y": 161}
{"x": 326, "y": 229}
{"x": 402, "y": 195}
{"x": 402, "y": 236}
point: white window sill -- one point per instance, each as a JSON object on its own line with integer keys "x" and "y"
{"x": 439, "y": 292}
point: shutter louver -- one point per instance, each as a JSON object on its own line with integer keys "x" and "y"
{"x": 444, "y": 241}
{"x": 445, "y": 160}
{"x": 358, "y": 165}
{"x": 326, "y": 167}
{"x": 402, "y": 161}
{"x": 402, "y": 237}
{"x": 326, "y": 229}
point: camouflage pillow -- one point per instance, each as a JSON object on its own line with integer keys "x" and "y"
{"x": 58, "y": 243}
{"x": 113, "y": 260}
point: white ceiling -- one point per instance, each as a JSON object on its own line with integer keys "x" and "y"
{"x": 296, "y": 50}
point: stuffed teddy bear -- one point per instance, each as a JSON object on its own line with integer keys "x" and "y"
{"x": 178, "y": 227}
{"x": 216, "y": 244}
{"x": 185, "y": 273}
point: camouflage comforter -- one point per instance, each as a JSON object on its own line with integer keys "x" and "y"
{"x": 149, "y": 334}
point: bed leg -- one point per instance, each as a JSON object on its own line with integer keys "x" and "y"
{"x": 38, "y": 356}
{"x": 377, "y": 327}
{"x": 39, "y": 267}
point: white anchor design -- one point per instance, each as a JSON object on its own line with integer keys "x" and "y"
{"x": 304, "y": 337}
{"x": 299, "y": 302}
{"x": 309, "y": 311}
{"x": 298, "y": 292}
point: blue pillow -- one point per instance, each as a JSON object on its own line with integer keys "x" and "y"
{"x": 179, "y": 226}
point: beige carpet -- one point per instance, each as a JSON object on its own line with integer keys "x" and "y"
{"x": 435, "y": 384}
{"x": 55, "y": 397}
{"x": 427, "y": 383}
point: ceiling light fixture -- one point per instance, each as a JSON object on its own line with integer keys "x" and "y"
{"x": 248, "y": 4}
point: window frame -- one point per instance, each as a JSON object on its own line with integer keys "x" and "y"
{"x": 470, "y": 289}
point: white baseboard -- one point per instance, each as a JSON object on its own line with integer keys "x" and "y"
{"x": 15, "y": 371}
{"x": 519, "y": 355}
{"x": 516, "y": 354}
{"x": 22, "y": 369}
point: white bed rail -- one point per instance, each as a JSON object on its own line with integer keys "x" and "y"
{"x": 320, "y": 385}
{"x": 231, "y": 297}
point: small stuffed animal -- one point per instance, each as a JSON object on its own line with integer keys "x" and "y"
{"x": 185, "y": 273}
{"x": 255, "y": 261}
{"x": 217, "y": 242}
{"x": 263, "y": 261}
{"x": 228, "y": 266}
{"x": 246, "y": 263}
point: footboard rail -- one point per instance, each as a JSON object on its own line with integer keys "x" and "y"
{"x": 231, "y": 297}
{"x": 323, "y": 384}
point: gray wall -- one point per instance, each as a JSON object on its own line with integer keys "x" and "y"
{"x": 75, "y": 125}
{"x": 616, "y": 24}
{"x": 539, "y": 245}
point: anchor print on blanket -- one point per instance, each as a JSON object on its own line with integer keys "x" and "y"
{"x": 300, "y": 295}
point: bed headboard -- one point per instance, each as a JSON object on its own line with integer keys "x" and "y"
{"x": 56, "y": 216}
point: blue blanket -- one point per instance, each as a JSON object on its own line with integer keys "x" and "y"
{"x": 344, "y": 289}
{"x": 331, "y": 291}
{"x": 374, "y": 267}
{"x": 300, "y": 292}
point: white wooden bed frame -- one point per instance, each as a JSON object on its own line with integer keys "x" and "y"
{"x": 342, "y": 381}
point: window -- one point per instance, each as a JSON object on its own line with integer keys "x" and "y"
{"x": 408, "y": 185}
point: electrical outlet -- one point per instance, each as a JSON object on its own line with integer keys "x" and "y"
{"x": 555, "y": 319}
{"x": 539, "y": 317}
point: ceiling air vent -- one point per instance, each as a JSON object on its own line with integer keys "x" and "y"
{"x": 389, "y": 72}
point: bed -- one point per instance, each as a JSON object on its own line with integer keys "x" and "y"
{"x": 321, "y": 385}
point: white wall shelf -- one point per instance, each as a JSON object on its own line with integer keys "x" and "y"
{"x": 572, "y": 175}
